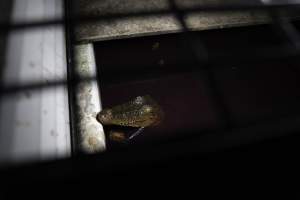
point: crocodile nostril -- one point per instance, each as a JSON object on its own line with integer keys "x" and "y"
{"x": 104, "y": 117}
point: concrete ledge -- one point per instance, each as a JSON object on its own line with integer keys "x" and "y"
{"x": 88, "y": 101}
{"x": 153, "y": 25}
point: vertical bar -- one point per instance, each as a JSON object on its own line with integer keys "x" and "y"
{"x": 199, "y": 52}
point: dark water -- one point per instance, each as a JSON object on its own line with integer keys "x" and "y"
{"x": 164, "y": 67}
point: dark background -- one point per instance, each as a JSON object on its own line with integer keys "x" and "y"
{"x": 241, "y": 92}
{"x": 237, "y": 102}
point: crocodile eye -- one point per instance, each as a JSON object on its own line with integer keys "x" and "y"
{"x": 146, "y": 109}
{"x": 105, "y": 116}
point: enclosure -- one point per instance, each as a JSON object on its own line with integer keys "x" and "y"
{"x": 224, "y": 74}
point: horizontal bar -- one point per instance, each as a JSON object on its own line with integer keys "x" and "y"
{"x": 256, "y": 56}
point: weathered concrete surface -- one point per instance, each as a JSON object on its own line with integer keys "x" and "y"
{"x": 34, "y": 122}
{"x": 151, "y": 25}
{"x": 88, "y": 102}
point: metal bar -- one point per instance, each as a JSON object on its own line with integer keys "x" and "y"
{"x": 257, "y": 55}
{"x": 199, "y": 52}
{"x": 71, "y": 74}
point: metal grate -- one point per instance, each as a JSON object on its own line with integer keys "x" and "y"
{"x": 284, "y": 27}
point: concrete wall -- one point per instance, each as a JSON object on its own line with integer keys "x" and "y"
{"x": 34, "y": 124}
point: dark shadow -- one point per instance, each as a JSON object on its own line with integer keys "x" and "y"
{"x": 6, "y": 132}
{"x": 5, "y": 13}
